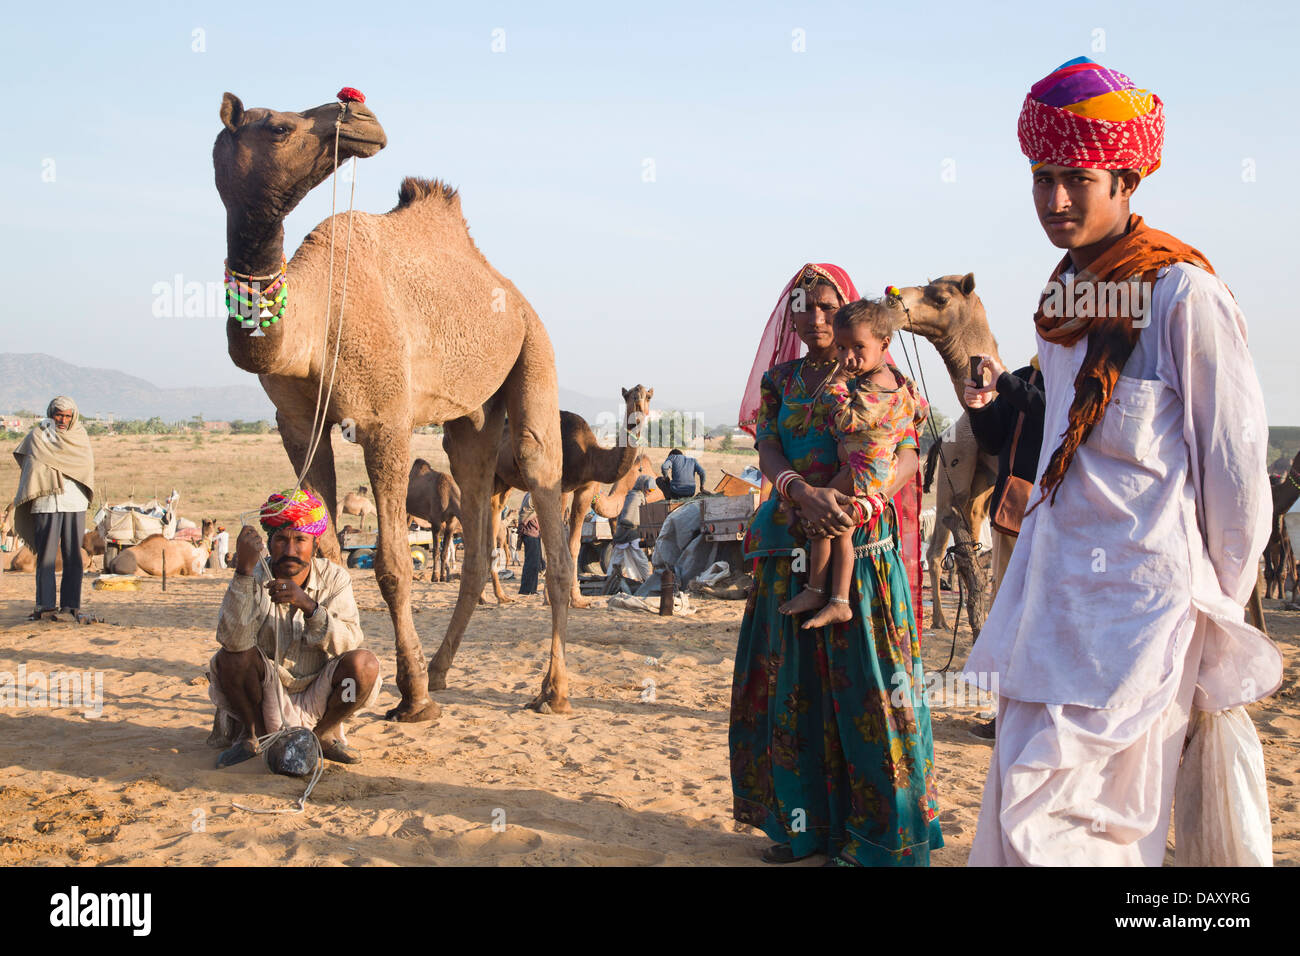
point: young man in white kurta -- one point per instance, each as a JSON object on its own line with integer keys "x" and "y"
{"x": 1122, "y": 605}
{"x": 1127, "y": 592}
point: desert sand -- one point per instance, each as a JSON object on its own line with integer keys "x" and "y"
{"x": 637, "y": 775}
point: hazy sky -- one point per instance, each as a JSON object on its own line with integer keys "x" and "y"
{"x": 887, "y": 146}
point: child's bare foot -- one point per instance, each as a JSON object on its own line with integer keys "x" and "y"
{"x": 809, "y": 599}
{"x": 836, "y": 611}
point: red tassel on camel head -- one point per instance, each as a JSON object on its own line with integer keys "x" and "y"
{"x": 350, "y": 95}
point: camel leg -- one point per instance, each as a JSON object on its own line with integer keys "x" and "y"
{"x": 978, "y": 515}
{"x": 471, "y": 444}
{"x": 498, "y": 502}
{"x": 581, "y": 502}
{"x": 566, "y": 508}
{"x": 1256, "y": 607}
{"x": 320, "y": 478}
{"x": 934, "y": 558}
{"x": 534, "y": 416}
{"x": 440, "y": 543}
{"x": 387, "y": 450}
{"x": 969, "y": 572}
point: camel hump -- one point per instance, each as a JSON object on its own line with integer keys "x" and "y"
{"x": 414, "y": 189}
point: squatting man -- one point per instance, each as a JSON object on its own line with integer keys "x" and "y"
{"x": 290, "y": 639}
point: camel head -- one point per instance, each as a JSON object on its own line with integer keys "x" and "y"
{"x": 267, "y": 160}
{"x": 637, "y": 400}
{"x": 940, "y": 308}
{"x": 949, "y": 314}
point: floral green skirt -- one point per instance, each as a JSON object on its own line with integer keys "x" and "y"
{"x": 830, "y": 730}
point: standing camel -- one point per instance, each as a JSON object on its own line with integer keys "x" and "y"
{"x": 586, "y": 466}
{"x": 358, "y": 503}
{"x": 955, "y": 468}
{"x": 429, "y": 332}
{"x": 1279, "y": 562}
{"x": 949, "y": 314}
{"x": 610, "y": 503}
{"x": 433, "y": 497}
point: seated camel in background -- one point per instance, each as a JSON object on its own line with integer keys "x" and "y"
{"x": 149, "y": 555}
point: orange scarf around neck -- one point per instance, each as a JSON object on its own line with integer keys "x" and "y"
{"x": 1135, "y": 256}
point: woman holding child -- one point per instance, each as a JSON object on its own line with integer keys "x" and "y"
{"x": 830, "y": 732}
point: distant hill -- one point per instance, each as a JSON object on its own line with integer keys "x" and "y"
{"x": 29, "y": 381}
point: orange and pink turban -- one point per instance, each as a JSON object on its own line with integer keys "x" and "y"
{"x": 1084, "y": 115}
{"x": 301, "y": 511}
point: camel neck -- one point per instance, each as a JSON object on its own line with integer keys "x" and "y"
{"x": 254, "y": 246}
{"x": 956, "y": 352}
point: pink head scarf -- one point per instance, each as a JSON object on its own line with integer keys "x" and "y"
{"x": 780, "y": 343}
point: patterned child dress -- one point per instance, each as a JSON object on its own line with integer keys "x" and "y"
{"x": 869, "y": 423}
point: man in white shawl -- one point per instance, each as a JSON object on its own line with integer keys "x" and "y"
{"x": 55, "y": 488}
{"x": 1122, "y": 606}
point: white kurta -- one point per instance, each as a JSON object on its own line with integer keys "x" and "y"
{"x": 1125, "y": 598}
{"x": 1161, "y": 518}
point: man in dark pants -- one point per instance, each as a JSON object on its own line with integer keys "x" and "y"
{"x": 679, "y": 473}
{"x": 529, "y": 536}
{"x": 54, "y": 491}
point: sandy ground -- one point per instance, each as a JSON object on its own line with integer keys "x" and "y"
{"x": 626, "y": 779}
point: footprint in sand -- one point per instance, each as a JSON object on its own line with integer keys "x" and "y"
{"x": 513, "y": 840}
{"x": 1288, "y": 726}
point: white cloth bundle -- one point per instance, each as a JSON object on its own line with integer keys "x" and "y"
{"x": 1221, "y": 801}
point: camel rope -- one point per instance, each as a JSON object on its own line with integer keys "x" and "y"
{"x": 322, "y": 408}
{"x": 934, "y": 435}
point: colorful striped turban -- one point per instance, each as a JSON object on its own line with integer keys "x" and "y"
{"x": 1084, "y": 115}
{"x": 301, "y": 511}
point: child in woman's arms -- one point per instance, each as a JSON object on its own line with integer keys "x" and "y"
{"x": 876, "y": 405}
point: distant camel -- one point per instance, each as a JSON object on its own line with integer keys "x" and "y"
{"x": 24, "y": 560}
{"x": 7, "y": 536}
{"x": 147, "y": 557}
{"x": 502, "y": 540}
{"x": 587, "y": 466}
{"x": 432, "y": 496}
{"x": 358, "y": 503}
{"x": 1279, "y": 560}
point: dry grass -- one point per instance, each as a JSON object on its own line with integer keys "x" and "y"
{"x": 223, "y": 476}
